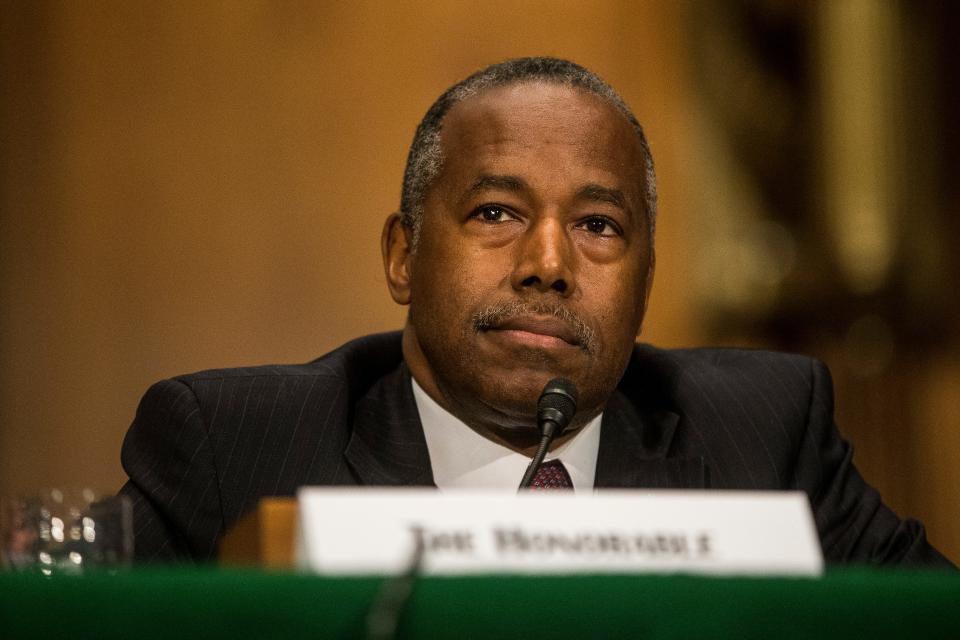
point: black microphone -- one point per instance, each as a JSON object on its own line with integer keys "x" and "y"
{"x": 555, "y": 410}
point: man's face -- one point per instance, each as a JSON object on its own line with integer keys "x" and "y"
{"x": 534, "y": 256}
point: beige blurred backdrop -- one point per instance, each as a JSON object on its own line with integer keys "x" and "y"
{"x": 194, "y": 185}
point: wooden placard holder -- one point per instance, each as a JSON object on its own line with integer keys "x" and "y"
{"x": 263, "y": 537}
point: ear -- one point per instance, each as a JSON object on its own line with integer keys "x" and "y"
{"x": 396, "y": 248}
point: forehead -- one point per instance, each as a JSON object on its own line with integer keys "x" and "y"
{"x": 505, "y": 127}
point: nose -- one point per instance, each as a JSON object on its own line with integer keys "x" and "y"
{"x": 545, "y": 259}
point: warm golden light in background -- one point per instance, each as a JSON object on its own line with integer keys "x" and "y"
{"x": 859, "y": 50}
{"x": 196, "y": 185}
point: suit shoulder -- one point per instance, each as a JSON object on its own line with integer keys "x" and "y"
{"x": 711, "y": 367}
{"x": 339, "y": 378}
{"x": 237, "y": 407}
{"x": 720, "y": 357}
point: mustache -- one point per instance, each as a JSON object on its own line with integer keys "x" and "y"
{"x": 496, "y": 314}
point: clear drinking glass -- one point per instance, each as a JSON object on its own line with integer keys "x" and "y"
{"x": 66, "y": 531}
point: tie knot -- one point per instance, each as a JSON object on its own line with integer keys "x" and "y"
{"x": 551, "y": 475}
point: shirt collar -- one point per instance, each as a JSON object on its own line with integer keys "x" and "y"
{"x": 463, "y": 459}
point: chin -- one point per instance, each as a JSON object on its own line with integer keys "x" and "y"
{"x": 516, "y": 395}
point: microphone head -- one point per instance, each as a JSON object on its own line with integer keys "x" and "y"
{"x": 557, "y": 404}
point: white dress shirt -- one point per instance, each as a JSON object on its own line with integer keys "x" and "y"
{"x": 463, "y": 459}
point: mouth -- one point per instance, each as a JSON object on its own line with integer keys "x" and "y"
{"x": 537, "y": 331}
{"x": 541, "y": 326}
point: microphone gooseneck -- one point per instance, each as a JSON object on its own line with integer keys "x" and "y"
{"x": 555, "y": 410}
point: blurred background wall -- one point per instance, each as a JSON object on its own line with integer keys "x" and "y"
{"x": 195, "y": 185}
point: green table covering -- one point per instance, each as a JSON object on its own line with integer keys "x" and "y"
{"x": 212, "y": 603}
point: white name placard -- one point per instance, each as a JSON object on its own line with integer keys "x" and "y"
{"x": 376, "y": 531}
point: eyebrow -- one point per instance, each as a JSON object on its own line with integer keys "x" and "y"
{"x": 515, "y": 184}
{"x": 496, "y": 182}
{"x": 597, "y": 193}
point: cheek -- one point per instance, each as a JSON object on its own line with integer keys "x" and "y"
{"x": 475, "y": 271}
{"x": 620, "y": 304}
{"x": 450, "y": 286}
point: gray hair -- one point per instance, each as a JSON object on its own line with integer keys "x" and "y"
{"x": 426, "y": 156}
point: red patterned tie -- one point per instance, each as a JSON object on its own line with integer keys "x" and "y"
{"x": 551, "y": 475}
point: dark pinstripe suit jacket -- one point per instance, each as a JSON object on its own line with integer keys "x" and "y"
{"x": 204, "y": 448}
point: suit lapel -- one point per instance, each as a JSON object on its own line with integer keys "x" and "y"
{"x": 634, "y": 448}
{"x": 387, "y": 447}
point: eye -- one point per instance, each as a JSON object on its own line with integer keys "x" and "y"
{"x": 492, "y": 213}
{"x": 601, "y": 226}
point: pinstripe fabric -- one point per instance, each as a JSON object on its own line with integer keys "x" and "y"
{"x": 204, "y": 448}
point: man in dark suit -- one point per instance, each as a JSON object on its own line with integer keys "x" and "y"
{"x": 524, "y": 248}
